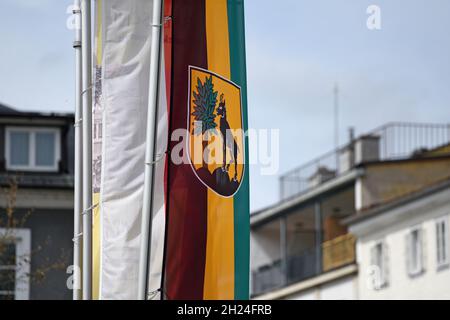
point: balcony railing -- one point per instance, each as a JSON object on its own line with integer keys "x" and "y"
{"x": 302, "y": 266}
{"x": 298, "y": 267}
{"x": 338, "y": 252}
{"x": 267, "y": 278}
{"x": 396, "y": 141}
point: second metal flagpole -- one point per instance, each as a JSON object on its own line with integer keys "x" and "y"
{"x": 86, "y": 49}
{"x": 146, "y": 223}
{"x": 78, "y": 156}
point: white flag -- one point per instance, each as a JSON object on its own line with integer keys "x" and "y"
{"x": 126, "y": 34}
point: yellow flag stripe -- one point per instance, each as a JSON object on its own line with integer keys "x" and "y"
{"x": 219, "y": 268}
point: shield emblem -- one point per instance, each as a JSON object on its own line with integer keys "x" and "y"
{"x": 216, "y": 136}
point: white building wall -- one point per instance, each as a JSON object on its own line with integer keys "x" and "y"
{"x": 392, "y": 228}
{"x": 311, "y": 294}
{"x": 344, "y": 289}
{"x": 339, "y": 289}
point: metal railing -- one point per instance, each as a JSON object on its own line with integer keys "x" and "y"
{"x": 400, "y": 140}
{"x": 335, "y": 253}
{"x": 267, "y": 278}
{"x": 299, "y": 180}
{"x": 302, "y": 266}
{"x": 298, "y": 267}
{"x": 397, "y": 140}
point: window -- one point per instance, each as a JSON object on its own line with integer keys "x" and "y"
{"x": 32, "y": 149}
{"x": 414, "y": 251}
{"x": 442, "y": 238}
{"x": 95, "y": 131}
{"x": 7, "y": 270}
{"x": 100, "y": 130}
{"x": 14, "y": 264}
{"x": 379, "y": 262}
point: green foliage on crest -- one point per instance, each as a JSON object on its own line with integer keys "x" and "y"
{"x": 205, "y": 101}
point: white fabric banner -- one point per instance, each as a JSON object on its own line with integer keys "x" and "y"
{"x": 126, "y": 59}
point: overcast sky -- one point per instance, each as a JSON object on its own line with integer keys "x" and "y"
{"x": 296, "y": 51}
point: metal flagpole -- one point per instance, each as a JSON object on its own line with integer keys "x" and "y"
{"x": 78, "y": 156}
{"x": 87, "y": 146}
{"x": 146, "y": 223}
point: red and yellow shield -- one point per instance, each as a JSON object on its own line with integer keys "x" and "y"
{"x": 215, "y": 144}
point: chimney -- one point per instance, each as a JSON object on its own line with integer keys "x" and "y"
{"x": 351, "y": 134}
{"x": 367, "y": 149}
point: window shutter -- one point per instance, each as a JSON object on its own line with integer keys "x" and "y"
{"x": 373, "y": 251}
{"x": 445, "y": 242}
{"x": 385, "y": 271}
{"x": 408, "y": 253}
{"x": 423, "y": 250}
{"x": 373, "y": 262}
{"x": 439, "y": 242}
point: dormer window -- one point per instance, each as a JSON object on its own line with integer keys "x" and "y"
{"x": 32, "y": 149}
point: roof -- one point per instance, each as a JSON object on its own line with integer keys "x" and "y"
{"x": 397, "y": 202}
{"x": 41, "y": 180}
{"x": 63, "y": 179}
{"x": 6, "y": 111}
{"x": 422, "y": 158}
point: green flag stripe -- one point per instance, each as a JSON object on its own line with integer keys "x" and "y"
{"x": 241, "y": 200}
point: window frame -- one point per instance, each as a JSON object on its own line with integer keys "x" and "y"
{"x": 420, "y": 268}
{"x": 32, "y": 131}
{"x": 22, "y": 240}
{"x": 383, "y": 265}
{"x": 445, "y": 263}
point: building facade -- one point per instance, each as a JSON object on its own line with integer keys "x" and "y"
{"x": 308, "y": 246}
{"x": 36, "y": 225}
{"x": 403, "y": 246}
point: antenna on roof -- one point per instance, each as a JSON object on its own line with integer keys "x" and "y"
{"x": 336, "y": 121}
{"x": 336, "y": 115}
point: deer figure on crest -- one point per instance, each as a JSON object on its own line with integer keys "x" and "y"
{"x": 228, "y": 140}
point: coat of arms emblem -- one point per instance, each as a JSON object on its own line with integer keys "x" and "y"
{"x": 216, "y": 137}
